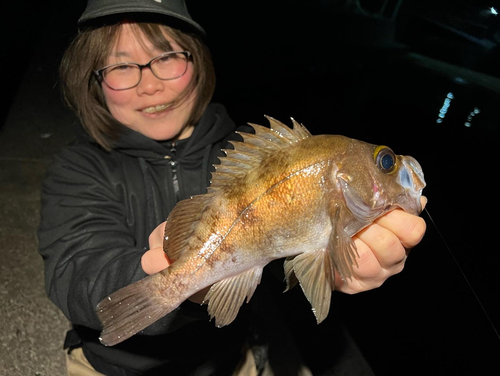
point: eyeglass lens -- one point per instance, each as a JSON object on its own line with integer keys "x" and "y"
{"x": 165, "y": 67}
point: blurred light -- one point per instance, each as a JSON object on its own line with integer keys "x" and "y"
{"x": 474, "y": 112}
{"x": 444, "y": 108}
{"x": 493, "y": 11}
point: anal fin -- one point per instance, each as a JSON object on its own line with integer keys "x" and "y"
{"x": 226, "y": 297}
{"x": 290, "y": 277}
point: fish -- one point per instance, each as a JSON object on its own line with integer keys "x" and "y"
{"x": 281, "y": 193}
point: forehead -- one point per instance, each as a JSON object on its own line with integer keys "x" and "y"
{"x": 132, "y": 36}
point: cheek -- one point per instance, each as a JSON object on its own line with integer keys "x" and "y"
{"x": 117, "y": 101}
{"x": 182, "y": 82}
{"x": 116, "y": 98}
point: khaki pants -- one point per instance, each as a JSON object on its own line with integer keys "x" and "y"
{"x": 247, "y": 367}
{"x": 78, "y": 365}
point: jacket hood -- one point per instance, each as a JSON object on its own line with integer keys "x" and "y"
{"x": 214, "y": 126}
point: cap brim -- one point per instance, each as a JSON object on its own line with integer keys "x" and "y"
{"x": 103, "y": 15}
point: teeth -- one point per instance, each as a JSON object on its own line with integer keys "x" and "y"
{"x": 160, "y": 107}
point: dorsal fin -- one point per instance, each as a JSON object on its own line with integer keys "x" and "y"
{"x": 254, "y": 149}
{"x": 246, "y": 156}
{"x": 300, "y": 131}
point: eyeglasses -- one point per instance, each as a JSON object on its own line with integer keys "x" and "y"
{"x": 123, "y": 76}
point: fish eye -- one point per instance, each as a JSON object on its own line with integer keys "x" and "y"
{"x": 385, "y": 159}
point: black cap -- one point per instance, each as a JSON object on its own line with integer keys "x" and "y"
{"x": 176, "y": 9}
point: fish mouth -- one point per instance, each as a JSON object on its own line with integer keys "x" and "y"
{"x": 157, "y": 108}
{"x": 411, "y": 178}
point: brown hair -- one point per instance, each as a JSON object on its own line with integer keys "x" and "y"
{"x": 89, "y": 51}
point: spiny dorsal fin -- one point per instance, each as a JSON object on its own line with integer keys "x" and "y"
{"x": 254, "y": 149}
{"x": 279, "y": 133}
{"x": 299, "y": 132}
{"x": 246, "y": 156}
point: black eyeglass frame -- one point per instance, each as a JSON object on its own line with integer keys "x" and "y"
{"x": 101, "y": 78}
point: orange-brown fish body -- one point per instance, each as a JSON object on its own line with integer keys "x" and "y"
{"x": 281, "y": 193}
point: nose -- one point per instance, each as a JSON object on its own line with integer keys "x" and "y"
{"x": 149, "y": 84}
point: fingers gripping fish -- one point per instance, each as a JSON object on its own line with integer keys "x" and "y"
{"x": 281, "y": 193}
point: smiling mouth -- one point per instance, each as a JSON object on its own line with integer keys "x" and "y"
{"x": 154, "y": 109}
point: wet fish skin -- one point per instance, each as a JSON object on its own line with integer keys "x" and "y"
{"x": 281, "y": 193}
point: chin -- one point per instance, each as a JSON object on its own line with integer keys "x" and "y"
{"x": 159, "y": 135}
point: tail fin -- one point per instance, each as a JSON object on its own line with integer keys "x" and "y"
{"x": 130, "y": 310}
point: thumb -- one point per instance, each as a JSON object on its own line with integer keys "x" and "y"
{"x": 154, "y": 260}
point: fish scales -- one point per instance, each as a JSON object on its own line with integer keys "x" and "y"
{"x": 281, "y": 193}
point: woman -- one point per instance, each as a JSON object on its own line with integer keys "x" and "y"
{"x": 140, "y": 78}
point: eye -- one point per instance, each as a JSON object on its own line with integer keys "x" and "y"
{"x": 385, "y": 159}
{"x": 165, "y": 59}
{"x": 120, "y": 69}
{"x": 123, "y": 67}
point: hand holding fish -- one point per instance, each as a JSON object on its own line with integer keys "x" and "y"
{"x": 155, "y": 260}
{"x": 383, "y": 248}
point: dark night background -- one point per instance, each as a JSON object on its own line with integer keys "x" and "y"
{"x": 380, "y": 71}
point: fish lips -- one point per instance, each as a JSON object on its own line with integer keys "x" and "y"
{"x": 411, "y": 178}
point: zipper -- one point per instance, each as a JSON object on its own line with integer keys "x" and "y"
{"x": 173, "y": 165}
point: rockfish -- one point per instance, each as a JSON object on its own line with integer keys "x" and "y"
{"x": 281, "y": 193}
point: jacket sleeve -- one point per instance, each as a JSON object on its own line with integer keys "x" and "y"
{"x": 87, "y": 248}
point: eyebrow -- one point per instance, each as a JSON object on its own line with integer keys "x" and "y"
{"x": 120, "y": 54}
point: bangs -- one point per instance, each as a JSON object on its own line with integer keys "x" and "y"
{"x": 155, "y": 34}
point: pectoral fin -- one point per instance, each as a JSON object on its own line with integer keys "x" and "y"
{"x": 342, "y": 247}
{"x": 226, "y": 297}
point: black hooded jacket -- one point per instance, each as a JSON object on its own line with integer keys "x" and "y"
{"x": 98, "y": 210}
